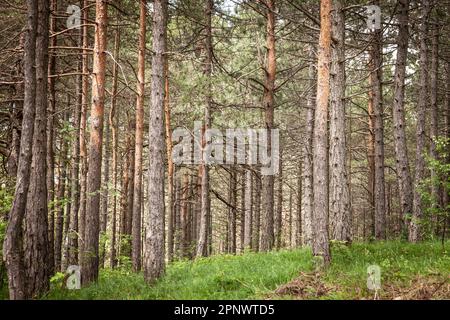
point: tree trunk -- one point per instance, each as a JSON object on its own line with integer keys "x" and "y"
{"x": 50, "y": 138}
{"x": 320, "y": 159}
{"x": 137, "y": 195}
{"x": 232, "y": 199}
{"x": 267, "y": 235}
{"x": 13, "y": 250}
{"x": 130, "y": 161}
{"x": 72, "y": 237}
{"x": 298, "y": 224}
{"x": 434, "y": 123}
{"x": 202, "y": 244}
{"x": 291, "y": 224}
{"x": 83, "y": 123}
{"x": 398, "y": 112}
{"x": 307, "y": 170}
{"x": 36, "y": 221}
{"x": 339, "y": 193}
{"x": 105, "y": 189}
{"x": 257, "y": 212}
{"x": 248, "y": 210}
{"x": 379, "y": 183}
{"x": 184, "y": 217}
{"x": 242, "y": 211}
{"x": 114, "y": 130}
{"x": 279, "y": 216}
{"x": 90, "y": 261}
{"x": 60, "y": 197}
{"x": 113, "y": 123}
{"x": 154, "y": 256}
{"x": 414, "y": 226}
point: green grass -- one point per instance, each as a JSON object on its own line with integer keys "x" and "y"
{"x": 221, "y": 277}
{"x": 256, "y": 276}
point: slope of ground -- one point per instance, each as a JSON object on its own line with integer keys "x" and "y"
{"x": 408, "y": 271}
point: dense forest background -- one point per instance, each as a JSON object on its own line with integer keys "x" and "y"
{"x": 91, "y": 91}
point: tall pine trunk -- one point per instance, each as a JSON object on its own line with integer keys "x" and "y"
{"x": 37, "y": 262}
{"x": 320, "y": 205}
{"x": 50, "y": 136}
{"x": 139, "y": 141}
{"x": 414, "y": 226}
{"x": 205, "y": 211}
{"x": 267, "y": 219}
{"x": 83, "y": 124}
{"x": 376, "y": 64}
{"x": 339, "y": 193}
{"x": 13, "y": 246}
{"x": 307, "y": 151}
{"x": 154, "y": 257}
{"x": 398, "y": 112}
{"x": 90, "y": 261}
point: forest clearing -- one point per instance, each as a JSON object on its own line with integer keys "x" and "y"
{"x": 224, "y": 150}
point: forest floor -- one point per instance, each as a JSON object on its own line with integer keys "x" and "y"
{"x": 408, "y": 271}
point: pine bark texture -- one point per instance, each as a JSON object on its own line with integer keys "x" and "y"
{"x": 398, "y": 112}
{"x": 415, "y": 233}
{"x": 267, "y": 218}
{"x": 139, "y": 142}
{"x": 154, "y": 258}
{"x": 13, "y": 246}
{"x": 320, "y": 158}
{"x": 339, "y": 193}
{"x": 90, "y": 261}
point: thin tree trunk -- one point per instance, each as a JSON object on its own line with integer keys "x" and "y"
{"x": 248, "y": 210}
{"x": 50, "y": 139}
{"x": 339, "y": 193}
{"x": 60, "y": 198}
{"x": 83, "y": 123}
{"x": 379, "y": 183}
{"x": 113, "y": 123}
{"x": 137, "y": 195}
{"x": 184, "y": 217}
{"x": 154, "y": 258}
{"x": 291, "y": 220}
{"x": 371, "y": 162}
{"x": 242, "y": 211}
{"x": 398, "y": 113}
{"x": 105, "y": 189}
{"x": 320, "y": 159}
{"x": 257, "y": 212}
{"x": 434, "y": 122}
{"x": 202, "y": 244}
{"x": 307, "y": 151}
{"x": 72, "y": 237}
{"x": 232, "y": 197}
{"x": 415, "y": 233}
{"x": 130, "y": 160}
{"x": 279, "y": 216}
{"x": 90, "y": 261}
{"x": 114, "y": 130}
{"x": 170, "y": 164}
{"x": 267, "y": 232}
{"x": 298, "y": 225}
